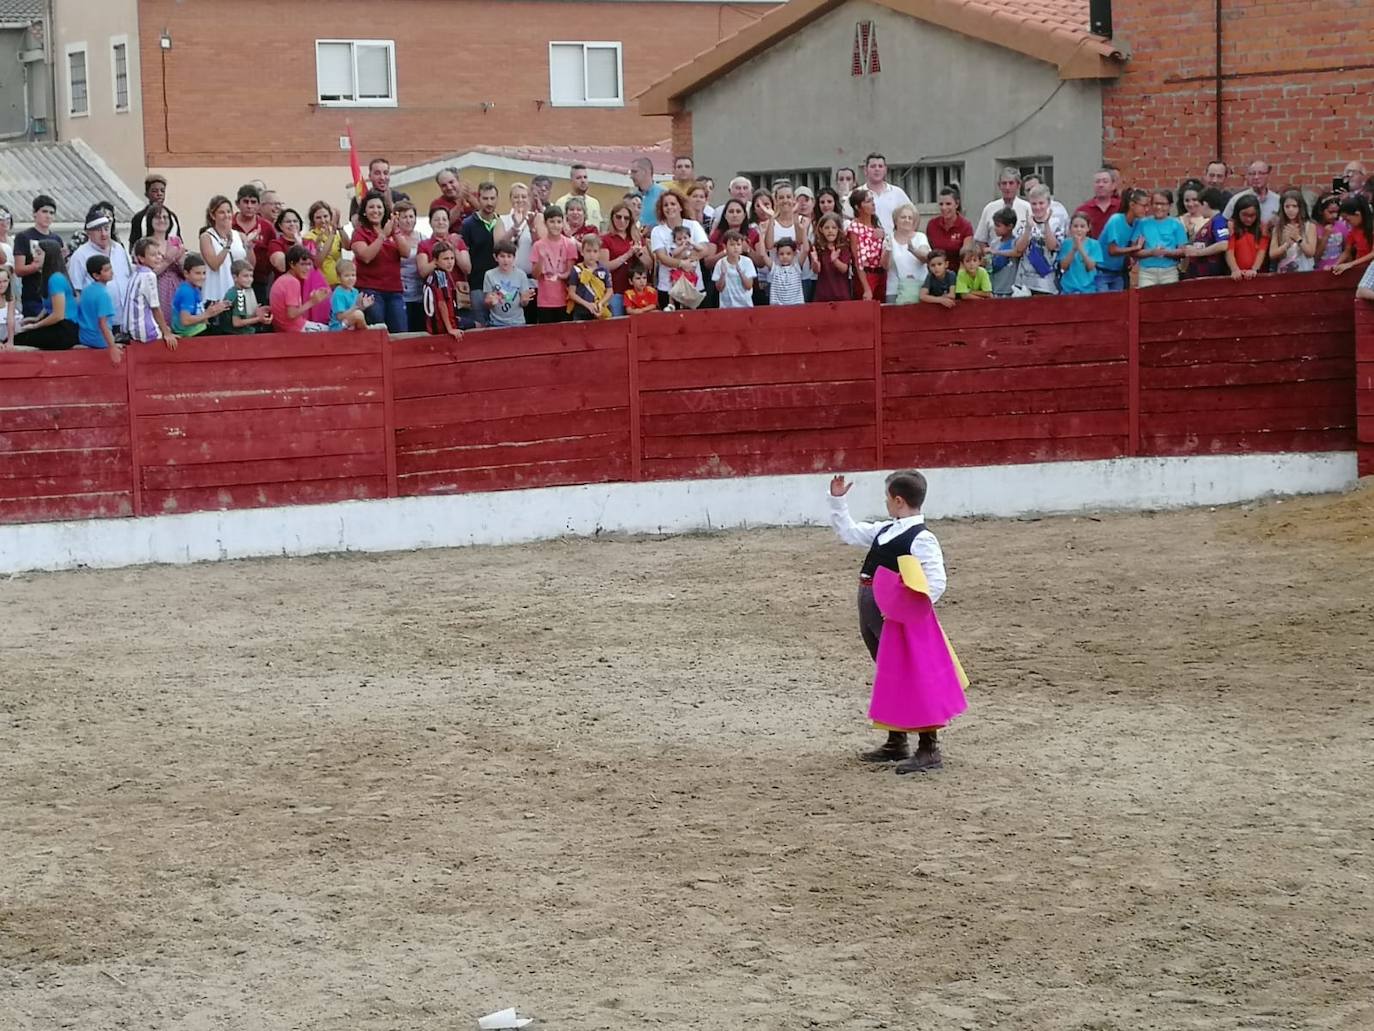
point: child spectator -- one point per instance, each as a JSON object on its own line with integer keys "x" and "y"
{"x": 972, "y": 280}
{"x": 553, "y": 258}
{"x": 940, "y": 280}
{"x": 589, "y": 283}
{"x": 347, "y": 306}
{"x": 1120, "y": 242}
{"x": 866, "y": 246}
{"x": 9, "y": 307}
{"x": 1249, "y": 242}
{"x": 28, "y": 256}
{"x": 733, "y": 216}
{"x": 641, "y": 298}
{"x": 506, "y": 289}
{"x": 1041, "y": 237}
{"x": 95, "y": 311}
{"x": 245, "y": 315}
{"x": 142, "y": 305}
{"x": 834, "y": 281}
{"x": 1331, "y": 232}
{"x": 734, "y": 274}
{"x": 904, "y": 257}
{"x": 1293, "y": 246}
{"x": 289, "y": 300}
{"x": 1165, "y": 242}
{"x": 1207, "y": 253}
{"x": 1358, "y": 250}
{"x": 786, "y": 287}
{"x": 190, "y": 314}
{"x": 441, "y": 295}
{"x": 1080, "y": 256}
{"x": 1002, "y": 252}
{"x": 684, "y": 251}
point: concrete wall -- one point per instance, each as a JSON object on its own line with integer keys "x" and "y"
{"x": 115, "y": 136}
{"x": 939, "y": 92}
{"x": 13, "y": 105}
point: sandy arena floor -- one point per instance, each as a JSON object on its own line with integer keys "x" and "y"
{"x": 612, "y": 783}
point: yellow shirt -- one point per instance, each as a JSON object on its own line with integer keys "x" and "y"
{"x": 593, "y": 208}
{"x": 328, "y": 262}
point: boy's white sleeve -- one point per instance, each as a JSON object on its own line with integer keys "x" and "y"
{"x": 860, "y": 535}
{"x": 927, "y": 551}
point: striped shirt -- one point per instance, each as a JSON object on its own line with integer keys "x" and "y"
{"x": 441, "y": 294}
{"x": 140, "y": 300}
{"x": 786, "y": 286}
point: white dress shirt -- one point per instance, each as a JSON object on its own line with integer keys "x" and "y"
{"x": 862, "y": 535}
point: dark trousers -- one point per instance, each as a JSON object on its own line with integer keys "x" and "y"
{"x": 870, "y": 620}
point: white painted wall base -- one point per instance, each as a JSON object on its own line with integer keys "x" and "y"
{"x": 512, "y": 517}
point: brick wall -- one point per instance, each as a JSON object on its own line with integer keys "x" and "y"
{"x": 682, "y": 132}
{"x": 254, "y": 104}
{"x": 1295, "y": 86}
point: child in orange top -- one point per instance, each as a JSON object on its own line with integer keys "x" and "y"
{"x": 1249, "y": 242}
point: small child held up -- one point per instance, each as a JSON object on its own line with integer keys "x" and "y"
{"x": 642, "y": 298}
{"x": 347, "y": 308}
{"x": 785, "y": 282}
{"x": 918, "y": 682}
{"x": 685, "y": 250}
{"x": 190, "y": 314}
{"x": 245, "y": 315}
{"x": 440, "y": 297}
{"x": 506, "y": 290}
{"x": 589, "y": 283}
{"x": 940, "y": 280}
{"x": 735, "y": 274}
{"x": 552, "y": 259}
{"x": 1002, "y": 252}
{"x": 95, "y": 311}
{"x": 972, "y": 280}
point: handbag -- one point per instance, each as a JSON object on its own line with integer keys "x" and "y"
{"x": 686, "y": 294}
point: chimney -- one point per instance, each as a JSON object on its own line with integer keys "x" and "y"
{"x": 1100, "y": 17}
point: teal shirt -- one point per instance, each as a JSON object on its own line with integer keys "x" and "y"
{"x": 1120, "y": 232}
{"x": 1076, "y": 279}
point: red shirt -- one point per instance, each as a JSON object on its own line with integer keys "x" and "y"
{"x": 1097, "y": 218}
{"x": 384, "y": 271}
{"x": 453, "y": 240}
{"x": 1244, "y": 246}
{"x": 441, "y": 295}
{"x": 286, "y": 293}
{"x": 1359, "y": 240}
{"x": 646, "y": 298}
{"x": 949, "y": 239}
{"x": 617, "y": 246}
{"x": 831, "y": 283}
{"x": 262, "y": 265}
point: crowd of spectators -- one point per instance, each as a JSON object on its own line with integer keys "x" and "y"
{"x": 256, "y": 265}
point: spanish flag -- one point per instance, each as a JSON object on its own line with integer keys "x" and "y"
{"x": 354, "y": 166}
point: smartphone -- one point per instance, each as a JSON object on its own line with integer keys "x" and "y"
{"x": 1340, "y": 185}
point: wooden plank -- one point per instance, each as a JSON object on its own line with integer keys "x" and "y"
{"x": 78, "y": 363}
{"x": 81, "y": 461}
{"x": 1220, "y": 289}
{"x": 517, "y": 477}
{"x": 131, "y": 408}
{"x": 1006, "y": 452}
{"x": 1221, "y": 326}
{"x": 360, "y": 391}
{"x": 879, "y": 385}
{"x": 278, "y": 470}
{"x": 1030, "y": 377}
{"x": 825, "y": 462}
{"x": 74, "y": 506}
{"x": 635, "y": 397}
{"x": 1133, "y": 371}
{"x": 733, "y": 372}
{"x": 749, "y": 340}
{"x": 762, "y": 419}
{"x": 299, "y": 445}
{"x": 510, "y": 403}
{"x": 1323, "y": 394}
{"x": 1028, "y": 312}
{"x": 60, "y": 390}
{"x": 209, "y": 377}
{"x": 1008, "y": 402}
{"x": 609, "y": 447}
{"x": 389, "y": 420}
{"x": 266, "y": 347}
{"x": 1270, "y": 419}
{"x": 262, "y": 495}
{"x": 1261, "y": 307}
{"x": 1008, "y": 427}
{"x": 490, "y": 345}
{"x": 1265, "y": 442}
{"x": 1261, "y": 349}
{"x": 68, "y": 417}
{"x": 559, "y": 370}
{"x": 513, "y": 431}
{"x": 249, "y": 426}
{"x": 1226, "y": 374}
{"x": 99, "y": 481}
{"x": 1071, "y": 345}
{"x": 77, "y": 439}
{"x": 808, "y": 319}
{"x": 747, "y": 398}
{"x": 724, "y": 444}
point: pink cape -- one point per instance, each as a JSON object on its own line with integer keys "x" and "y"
{"x": 919, "y": 684}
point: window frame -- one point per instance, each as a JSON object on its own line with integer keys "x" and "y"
{"x": 619, "y": 49}
{"x": 816, "y": 178}
{"x": 68, "y": 51}
{"x": 905, "y": 172}
{"x": 357, "y": 101}
{"x": 1041, "y": 165}
{"x": 115, "y": 43}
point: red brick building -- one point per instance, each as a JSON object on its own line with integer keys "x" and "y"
{"x": 1288, "y": 82}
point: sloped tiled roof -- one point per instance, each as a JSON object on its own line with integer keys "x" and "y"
{"x": 71, "y": 173}
{"x": 1054, "y": 31}
{"x": 15, "y": 12}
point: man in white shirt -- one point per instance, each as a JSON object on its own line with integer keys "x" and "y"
{"x": 1009, "y": 182}
{"x": 886, "y": 197}
{"x": 98, "y": 241}
{"x": 1257, "y": 186}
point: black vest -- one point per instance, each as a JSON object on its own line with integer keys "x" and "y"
{"x": 885, "y": 555}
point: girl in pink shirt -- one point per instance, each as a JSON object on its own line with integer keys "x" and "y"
{"x": 553, "y": 258}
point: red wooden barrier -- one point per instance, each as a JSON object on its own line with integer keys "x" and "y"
{"x": 722, "y": 396}
{"x": 64, "y": 437}
{"x": 1037, "y": 380}
{"x": 1364, "y": 385}
{"x": 529, "y": 407}
{"x": 243, "y": 422}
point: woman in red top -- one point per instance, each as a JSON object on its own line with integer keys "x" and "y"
{"x": 1249, "y": 242}
{"x": 866, "y": 244}
{"x": 732, "y": 215}
{"x": 1359, "y": 242}
{"x": 948, "y": 230}
{"x": 621, "y": 247}
{"x": 377, "y": 250}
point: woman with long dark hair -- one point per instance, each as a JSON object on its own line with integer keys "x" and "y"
{"x": 55, "y": 329}
{"x": 378, "y": 247}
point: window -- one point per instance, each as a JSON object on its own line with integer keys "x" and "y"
{"x": 1042, "y": 167}
{"x": 923, "y": 183}
{"x": 119, "y": 67}
{"x": 78, "y": 97}
{"x": 585, "y": 75}
{"x": 356, "y": 72}
{"x": 815, "y": 178}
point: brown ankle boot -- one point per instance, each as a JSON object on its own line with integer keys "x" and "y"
{"x": 927, "y": 755}
{"x": 894, "y": 750}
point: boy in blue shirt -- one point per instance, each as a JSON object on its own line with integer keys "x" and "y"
{"x": 190, "y": 315}
{"x": 95, "y": 311}
{"x": 1120, "y": 242}
{"x": 1002, "y": 252}
{"x": 1080, "y": 257}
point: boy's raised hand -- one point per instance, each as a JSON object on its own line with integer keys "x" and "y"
{"x": 839, "y": 486}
